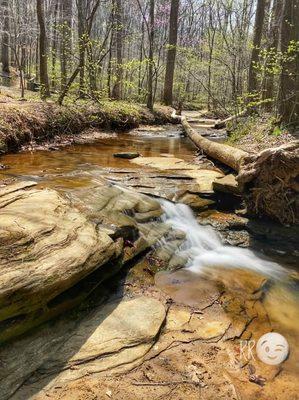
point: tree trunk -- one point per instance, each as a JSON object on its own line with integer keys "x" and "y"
{"x": 118, "y": 27}
{"x": 288, "y": 105}
{"x": 54, "y": 45}
{"x": 5, "y": 39}
{"x": 171, "y": 52}
{"x": 140, "y": 62}
{"x": 43, "y": 65}
{"x": 273, "y": 36}
{"x": 257, "y": 37}
{"x": 226, "y": 154}
{"x": 150, "y": 95}
{"x": 66, "y": 44}
{"x": 81, "y": 44}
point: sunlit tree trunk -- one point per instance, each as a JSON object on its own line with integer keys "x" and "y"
{"x": 118, "y": 27}
{"x": 150, "y": 95}
{"x": 66, "y": 44}
{"x": 81, "y": 44}
{"x": 273, "y": 36}
{"x": 288, "y": 106}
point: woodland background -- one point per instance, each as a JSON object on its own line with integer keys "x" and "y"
{"x": 225, "y": 56}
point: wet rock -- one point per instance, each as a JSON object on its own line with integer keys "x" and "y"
{"x": 194, "y": 201}
{"x": 204, "y": 178}
{"x": 126, "y": 155}
{"x": 227, "y": 184}
{"x": 221, "y": 220}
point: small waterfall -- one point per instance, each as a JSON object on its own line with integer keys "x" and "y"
{"x": 205, "y": 249}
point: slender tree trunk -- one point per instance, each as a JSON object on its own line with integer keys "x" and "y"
{"x": 273, "y": 37}
{"x": 288, "y": 106}
{"x": 54, "y": 45}
{"x": 257, "y": 37}
{"x": 140, "y": 61}
{"x": 150, "y": 95}
{"x": 109, "y": 69}
{"x": 66, "y": 44}
{"x": 118, "y": 27}
{"x": 43, "y": 65}
{"x": 171, "y": 52}
{"x": 5, "y": 39}
{"x": 81, "y": 43}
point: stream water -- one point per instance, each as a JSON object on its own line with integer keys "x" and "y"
{"x": 205, "y": 248}
{"x": 78, "y": 164}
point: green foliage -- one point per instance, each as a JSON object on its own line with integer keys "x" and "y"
{"x": 277, "y": 131}
{"x": 242, "y": 128}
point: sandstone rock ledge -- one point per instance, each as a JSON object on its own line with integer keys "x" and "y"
{"x": 53, "y": 254}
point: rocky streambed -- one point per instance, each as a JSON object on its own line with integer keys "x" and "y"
{"x": 94, "y": 300}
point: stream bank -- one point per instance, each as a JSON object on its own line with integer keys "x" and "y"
{"x": 150, "y": 330}
{"x": 31, "y": 123}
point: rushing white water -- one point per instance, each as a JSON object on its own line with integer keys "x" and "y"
{"x": 205, "y": 249}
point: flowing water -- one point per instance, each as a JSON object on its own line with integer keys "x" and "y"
{"x": 205, "y": 249}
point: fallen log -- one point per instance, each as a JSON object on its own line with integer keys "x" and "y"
{"x": 222, "y": 123}
{"x": 269, "y": 179}
{"x": 226, "y": 154}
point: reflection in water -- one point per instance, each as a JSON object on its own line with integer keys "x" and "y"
{"x": 61, "y": 168}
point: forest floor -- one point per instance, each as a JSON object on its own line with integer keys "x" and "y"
{"x": 251, "y": 133}
{"x": 256, "y": 133}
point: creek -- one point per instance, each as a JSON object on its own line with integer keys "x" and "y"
{"x": 80, "y": 165}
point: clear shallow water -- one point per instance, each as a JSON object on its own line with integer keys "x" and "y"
{"x": 70, "y": 166}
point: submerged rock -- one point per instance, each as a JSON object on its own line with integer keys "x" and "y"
{"x": 127, "y": 155}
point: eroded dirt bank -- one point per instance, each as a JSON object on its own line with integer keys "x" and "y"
{"x": 33, "y": 122}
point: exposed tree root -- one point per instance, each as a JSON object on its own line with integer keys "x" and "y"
{"x": 271, "y": 183}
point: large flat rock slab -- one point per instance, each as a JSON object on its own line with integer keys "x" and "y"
{"x": 113, "y": 338}
{"x": 202, "y": 177}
